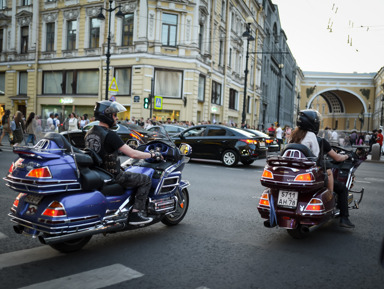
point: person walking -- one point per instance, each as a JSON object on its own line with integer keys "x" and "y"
{"x": 30, "y": 129}
{"x": 6, "y": 121}
{"x": 279, "y": 135}
{"x": 56, "y": 121}
{"x": 18, "y": 133}
{"x": 72, "y": 122}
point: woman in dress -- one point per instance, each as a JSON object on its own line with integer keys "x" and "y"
{"x": 31, "y": 126}
{"x": 72, "y": 122}
{"x": 6, "y": 121}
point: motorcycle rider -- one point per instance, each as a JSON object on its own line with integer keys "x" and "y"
{"x": 309, "y": 120}
{"x": 106, "y": 143}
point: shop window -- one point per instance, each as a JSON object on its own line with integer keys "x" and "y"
{"x": 123, "y": 80}
{"x": 71, "y": 34}
{"x": 94, "y": 33}
{"x": 169, "y": 29}
{"x": 233, "y": 99}
{"x": 201, "y": 96}
{"x": 71, "y": 82}
{"x": 128, "y": 29}
{"x": 23, "y": 82}
{"x": 168, "y": 83}
{"x": 216, "y": 93}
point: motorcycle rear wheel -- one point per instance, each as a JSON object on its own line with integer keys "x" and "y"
{"x": 176, "y": 217}
{"x": 72, "y": 245}
{"x": 297, "y": 233}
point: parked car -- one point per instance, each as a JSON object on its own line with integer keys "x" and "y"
{"x": 130, "y": 137}
{"x": 167, "y": 129}
{"x": 143, "y": 133}
{"x": 218, "y": 142}
{"x": 270, "y": 142}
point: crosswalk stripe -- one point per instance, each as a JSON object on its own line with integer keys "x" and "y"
{"x": 2, "y": 236}
{"x": 93, "y": 279}
{"x": 27, "y": 256}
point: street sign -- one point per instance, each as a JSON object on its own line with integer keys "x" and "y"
{"x": 158, "y": 102}
{"x": 112, "y": 98}
{"x": 136, "y": 98}
{"x": 113, "y": 87}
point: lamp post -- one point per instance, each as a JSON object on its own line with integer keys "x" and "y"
{"x": 281, "y": 66}
{"x": 119, "y": 14}
{"x": 381, "y": 119}
{"x": 298, "y": 105}
{"x": 247, "y": 34}
{"x": 369, "y": 113}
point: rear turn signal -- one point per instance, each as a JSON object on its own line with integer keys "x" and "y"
{"x": 40, "y": 173}
{"x": 307, "y": 177}
{"x": 267, "y": 174}
{"x": 55, "y": 209}
{"x": 16, "y": 201}
{"x": 315, "y": 205}
{"x": 264, "y": 200}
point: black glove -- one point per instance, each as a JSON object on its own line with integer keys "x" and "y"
{"x": 157, "y": 156}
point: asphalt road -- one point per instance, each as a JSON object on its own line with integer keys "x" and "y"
{"x": 221, "y": 243}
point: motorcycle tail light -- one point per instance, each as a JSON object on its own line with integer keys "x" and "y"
{"x": 267, "y": 174}
{"x": 315, "y": 205}
{"x": 140, "y": 134}
{"x": 11, "y": 168}
{"x": 16, "y": 201}
{"x": 307, "y": 177}
{"x": 55, "y": 209}
{"x": 40, "y": 173}
{"x": 264, "y": 200}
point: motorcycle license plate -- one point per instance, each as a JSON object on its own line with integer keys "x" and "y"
{"x": 33, "y": 199}
{"x": 287, "y": 199}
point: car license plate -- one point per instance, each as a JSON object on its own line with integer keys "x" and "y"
{"x": 34, "y": 199}
{"x": 262, "y": 144}
{"x": 287, "y": 199}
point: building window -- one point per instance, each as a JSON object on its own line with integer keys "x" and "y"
{"x": 71, "y": 34}
{"x": 230, "y": 57}
{"x": 50, "y": 44}
{"x": 201, "y": 33}
{"x": 221, "y": 52}
{"x": 3, "y": 4}
{"x": 201, "y": 95}
{"x": 128, "y": 29}
{"x": 249, "y": 104}
{"x": 1, "y": 39}
{"x": 24, "y": 39}
{"x": 123, "y": 80}
{"x": 26, "y": 2}
{"x": 216, "y": 93}
{"x": 168, "y": 83}
{"x": 169, "y": 29}
{"x": 95, "y": 33}
{"x": 23, "y": 82}
{"x": 71, "y": 82}
{"x": 2, "y": 83}
{"x": 223, "y": 10}
{"x": 233, "y": 99}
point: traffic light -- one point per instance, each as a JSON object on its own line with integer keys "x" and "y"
{"x": 146, "y": 102}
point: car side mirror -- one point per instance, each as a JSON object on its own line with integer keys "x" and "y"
{"x": 185, "y": 149}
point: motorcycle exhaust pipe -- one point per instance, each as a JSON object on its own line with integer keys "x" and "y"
{"x": 48, "y": 240}
{"x": 307, "y": 229}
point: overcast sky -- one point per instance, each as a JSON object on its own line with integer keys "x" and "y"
{"x": 334, "y": 36}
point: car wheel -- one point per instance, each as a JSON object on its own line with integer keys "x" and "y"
{"x": 230, "y": 158}
{"x": 247, "y": 162}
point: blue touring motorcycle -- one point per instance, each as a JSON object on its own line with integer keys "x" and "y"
{"x": 65, "y": 197}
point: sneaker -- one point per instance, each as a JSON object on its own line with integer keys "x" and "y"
{"x": 346, "y": 223}
{"x": 137, "y": 218}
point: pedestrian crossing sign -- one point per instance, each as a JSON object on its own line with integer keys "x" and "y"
{"x": 158, "y": 102}
{"x": 113, "y": 87}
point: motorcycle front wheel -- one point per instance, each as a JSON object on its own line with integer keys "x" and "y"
{"x": 181, "y": 209}
{"x": 72, "y": 245}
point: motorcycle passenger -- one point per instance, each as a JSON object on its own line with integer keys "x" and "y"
{"x": 107, "y": 143}
{"x": 309, "y": 120}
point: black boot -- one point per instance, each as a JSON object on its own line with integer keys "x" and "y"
{"x": 346, "y": 223}
{"x": 137, "y": 218}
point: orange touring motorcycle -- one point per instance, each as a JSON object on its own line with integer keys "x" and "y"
{"x": 296, "y": 197}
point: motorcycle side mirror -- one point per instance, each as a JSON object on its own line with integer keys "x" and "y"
{"x": 185, "y": 149}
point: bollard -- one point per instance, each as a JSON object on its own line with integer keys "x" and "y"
{"x": 375, "y": 152}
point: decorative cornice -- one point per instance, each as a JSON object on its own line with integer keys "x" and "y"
{"x": 50, "y": 17}
{"x": 93, "y": 11}
{"x": 71, "y": 14}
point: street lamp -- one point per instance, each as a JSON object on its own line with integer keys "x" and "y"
{"x": 281, "y": 66}
{"x": 119, "y": 14}
{"x": 298, "y": 104}
{"x": 381, "y": 119}
{"x": 247, "y": 34}
{"x": 369, "y": 113}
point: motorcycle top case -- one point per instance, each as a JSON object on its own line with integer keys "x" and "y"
{"x": 298, "y": 173}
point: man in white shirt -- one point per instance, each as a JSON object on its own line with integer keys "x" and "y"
{"x": 50, "y": 124}
{"x": 57, "y": 122}
{"x": 279, "y": 135}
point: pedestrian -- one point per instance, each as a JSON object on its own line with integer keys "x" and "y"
{"x": 379, "y": 139}
{"x": 83, "y": 122}
{"x": 72, "y": 122}
{"x": 353, "y": 138}
{"x": 56, "y": 121}
{"x": 271, "y": 130}
{"x": 279, "y": 135}
{"x": 18, "y": 133}
{"x": 39, "y": 129}
{"x": 373, "y": 139}
{"x": 30, "y": 129}
{"x": 6, "y": 121}
{"x": 50, "y": 123}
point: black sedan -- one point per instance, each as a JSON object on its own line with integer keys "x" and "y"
{"x": 270, "y": 142}
{"x": 218, "y": 142}
{"x": 129, "y": 136}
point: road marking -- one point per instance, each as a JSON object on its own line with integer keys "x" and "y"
{"x": 93, "y": 279}
{"x": 374, "y": 180}
{"x": 27, "y": 256}
{"x": 3, "y": 236}
{"x": 365, "y": 182}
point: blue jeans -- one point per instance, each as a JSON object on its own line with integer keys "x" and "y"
{"x": 31, "y": 138}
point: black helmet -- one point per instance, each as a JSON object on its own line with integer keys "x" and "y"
{"x": 309, "y": 120}
{"x": 105, "y": 109}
